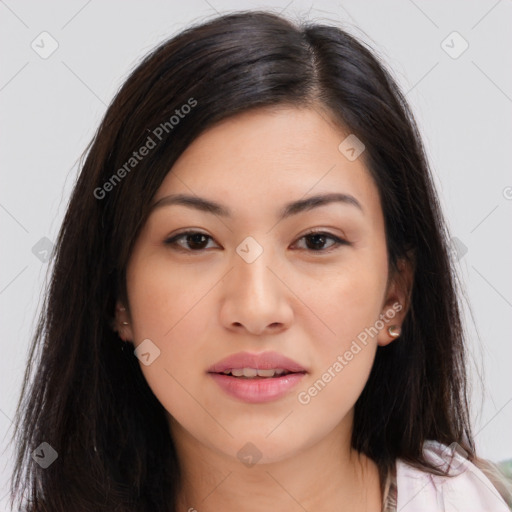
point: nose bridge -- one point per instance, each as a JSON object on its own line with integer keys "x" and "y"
{"x": 251, "y": 273}
{"x": 253, "y": 297}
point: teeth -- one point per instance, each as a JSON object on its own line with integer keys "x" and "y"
{"x": 249, "y": 372}
{"x": 265, "y": 373}
{"x": 253, "y": 372}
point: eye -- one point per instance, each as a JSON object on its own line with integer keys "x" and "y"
{"x": 318, "y": 238}
{"x": 194, "y": 241}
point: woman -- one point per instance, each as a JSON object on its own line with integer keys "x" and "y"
{"x": 252, "y": 302}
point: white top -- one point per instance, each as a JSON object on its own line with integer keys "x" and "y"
{"x": 469, "y": 491}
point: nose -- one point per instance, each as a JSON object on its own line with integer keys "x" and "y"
{"x": 255, "y": 297}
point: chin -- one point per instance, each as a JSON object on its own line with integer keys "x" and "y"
{"x": 254, "y": 448}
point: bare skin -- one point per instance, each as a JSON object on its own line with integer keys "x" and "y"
{"x": 199, "y": 301}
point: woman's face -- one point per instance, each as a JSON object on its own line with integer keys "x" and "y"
{"x": 254, "y": 281}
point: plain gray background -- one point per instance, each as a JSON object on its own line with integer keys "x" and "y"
{"x": 462, "y": 101}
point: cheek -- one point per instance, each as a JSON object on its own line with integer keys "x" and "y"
{"x": 169, "y": 307}
{"x": 349, "y": 299}
{"x": 161, "y": 296}
{"x": 349, "y": 303}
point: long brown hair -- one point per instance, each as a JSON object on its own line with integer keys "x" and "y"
{"x": 86, "y": 396}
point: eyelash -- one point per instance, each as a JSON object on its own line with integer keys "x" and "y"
{"x": 338, "y": 241}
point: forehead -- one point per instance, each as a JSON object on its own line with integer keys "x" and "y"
{"x": 266, "y": 157}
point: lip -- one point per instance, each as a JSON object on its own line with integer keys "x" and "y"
{"x": 261, "y": 361}
{"x": 258, "y": 390}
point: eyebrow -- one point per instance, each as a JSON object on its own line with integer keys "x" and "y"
{"x": 289, "y": 209}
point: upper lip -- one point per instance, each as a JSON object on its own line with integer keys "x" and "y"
{"x": 261, "y": 361}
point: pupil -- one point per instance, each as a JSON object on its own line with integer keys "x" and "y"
{"x": 194, "y": 237}
{"x": 322, "y": 240}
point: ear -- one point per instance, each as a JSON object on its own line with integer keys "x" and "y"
{"x": 122, "y": 322}
{"x": 397, "y": 301}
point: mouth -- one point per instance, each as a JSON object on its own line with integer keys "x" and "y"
{"x": 256, "y": 374}
{"x": 257, "y": 378}
{"x": 250, "y": 365}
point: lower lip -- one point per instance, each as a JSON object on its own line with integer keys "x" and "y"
{"x": 257, "y": 390}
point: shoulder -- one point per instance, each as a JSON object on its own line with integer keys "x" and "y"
{"x": 467, "y": 489}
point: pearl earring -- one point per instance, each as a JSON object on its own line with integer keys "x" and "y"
{"x": 394, "y": 331}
